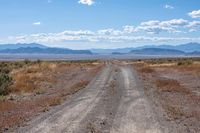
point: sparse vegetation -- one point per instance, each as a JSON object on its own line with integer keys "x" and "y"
{"x": 172, "y": 84}
{"x": 37, "y": 85}
{"x": 185, "y": 62}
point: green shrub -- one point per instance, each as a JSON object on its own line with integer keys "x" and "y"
{"x": 5, "y": 82}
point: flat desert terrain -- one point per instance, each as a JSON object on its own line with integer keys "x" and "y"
{"x": 114, "y": 96}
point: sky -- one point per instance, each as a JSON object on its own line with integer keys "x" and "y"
{"x": 85, "y": 24}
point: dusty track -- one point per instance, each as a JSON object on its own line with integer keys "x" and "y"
{"x": 112, "y": 103}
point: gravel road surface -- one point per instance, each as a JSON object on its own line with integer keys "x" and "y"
{"x": 112, "y": 103}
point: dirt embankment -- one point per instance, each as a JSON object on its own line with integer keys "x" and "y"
{"x": 37, "y": 87}
{"x": 173, "y": 88}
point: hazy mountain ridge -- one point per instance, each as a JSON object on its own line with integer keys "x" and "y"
{"x": 34, "y": 48}
{"x": 157, "y": 51}
{"x": 21, "y": 45}
{"x": 187, "y": 48}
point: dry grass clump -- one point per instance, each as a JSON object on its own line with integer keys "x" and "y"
{"x": 143, "y": 67}
{"x": 30, "y": 78}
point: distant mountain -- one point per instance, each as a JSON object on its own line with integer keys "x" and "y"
{"x": 157, "y": 51}
{"x": 117, "y": 53}
{"x": 21, "y": 45}
{"x": 37, "y": 50}
{"x": 110, "y": 51}
{"x": 32, "y": 48}
{"x": 195, "y": 53}
{"x": 189, "y": 47}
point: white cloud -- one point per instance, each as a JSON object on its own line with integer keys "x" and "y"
{"x": 129, "y": 29}
{"x": 86, "y": 2}
{"x": 37, "y": 23}
{"x": 156, "y": 27}
{"x": 69, "y": 37}
{"x": 126, "y": 34}
{"x": 168, "y": 6}
{"x": 194, "y": 14}
{"x": 75, "y": 33}
{"x": 109, "y": 32}
{"x": 193, "y": 26}
{"x": 174, "y": 22}
{"x": 59, "y": 38}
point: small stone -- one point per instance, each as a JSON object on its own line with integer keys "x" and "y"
{"x": 5, "y": 129}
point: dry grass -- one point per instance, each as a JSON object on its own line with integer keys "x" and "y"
{"x": 143, "y": 67}
{"x": 30, "y": 78}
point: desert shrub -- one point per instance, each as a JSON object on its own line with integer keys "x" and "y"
{"x": 5, "y": 70}
{"x": 27, "y": 61}
{"x": 5, "y": 81}
{"x": 185, "y": 62}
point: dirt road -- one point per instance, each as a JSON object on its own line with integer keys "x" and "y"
{"x": 112, "y": 103}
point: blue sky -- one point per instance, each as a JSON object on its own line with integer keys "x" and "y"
{"x": 82, "y": 24}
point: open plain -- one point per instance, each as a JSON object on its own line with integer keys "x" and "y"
{"x": 116, "y": 96}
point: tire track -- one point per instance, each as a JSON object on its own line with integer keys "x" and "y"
{"x": 100, "y": 119}
{"x": 134, "y": 114}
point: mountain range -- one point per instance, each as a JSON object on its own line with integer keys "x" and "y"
{"x": 187, "y": 48}
{"x": 157, "y": 51}
{"x": 21, "y": 45}
{"x": 34, "y": 48}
